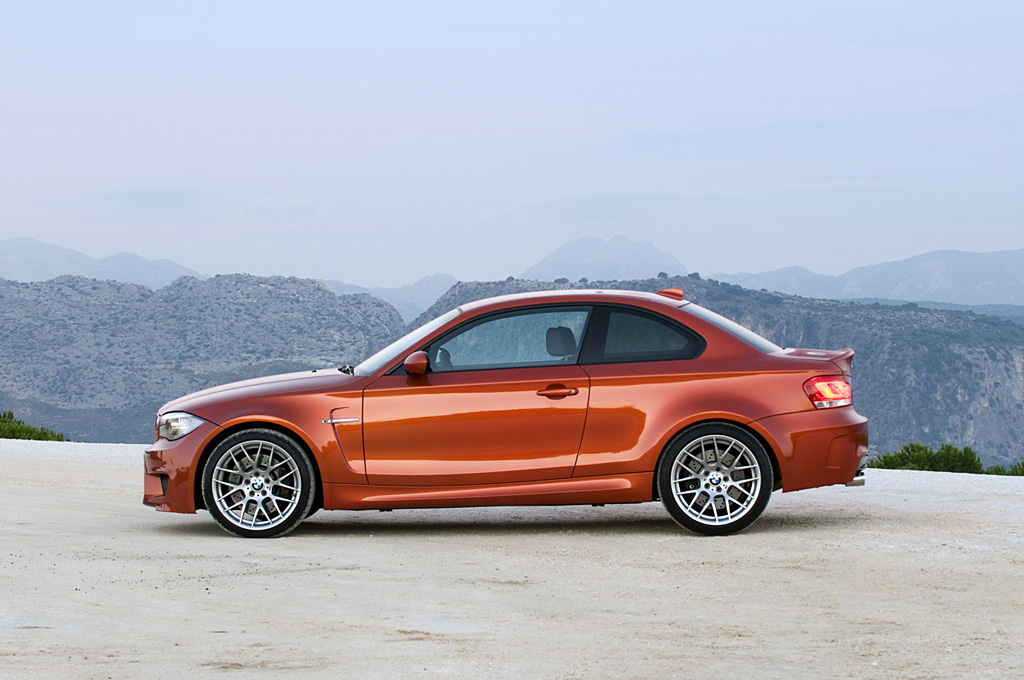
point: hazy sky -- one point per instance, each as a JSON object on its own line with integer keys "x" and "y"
{"x": 379, "y": 142}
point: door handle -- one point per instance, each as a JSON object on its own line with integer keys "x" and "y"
{"x": 554, "y": 392}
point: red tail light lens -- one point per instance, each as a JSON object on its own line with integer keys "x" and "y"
{"x": 829, "y": 391}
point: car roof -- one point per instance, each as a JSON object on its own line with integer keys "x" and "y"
{"x": 588, "y": 296}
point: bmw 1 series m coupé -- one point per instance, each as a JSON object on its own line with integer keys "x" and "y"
{"x": 553, "y": 398}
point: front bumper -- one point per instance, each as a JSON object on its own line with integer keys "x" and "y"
{"x": 171, "y": 470}
{"x": 817, "y": 448}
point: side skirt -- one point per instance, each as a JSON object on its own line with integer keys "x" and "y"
{"x": 634, "y": 488}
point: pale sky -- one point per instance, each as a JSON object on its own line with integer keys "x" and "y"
{"x": 379, "y": 142}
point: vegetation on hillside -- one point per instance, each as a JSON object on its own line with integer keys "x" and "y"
{"x": 948, "y": 458}
{"x": 100, "y": 357}
{"x": 11, "y": 428}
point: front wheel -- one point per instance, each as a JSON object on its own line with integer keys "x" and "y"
{"x": 715, "y": 479}
{"x": 258, "y": 484}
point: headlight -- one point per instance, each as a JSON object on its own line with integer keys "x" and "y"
{"x": 176, "y": 425}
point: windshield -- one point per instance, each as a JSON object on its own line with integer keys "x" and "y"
{"x": 384, "y": 356}
{"x": 745, "y": 334}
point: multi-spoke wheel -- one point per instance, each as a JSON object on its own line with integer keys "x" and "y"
{"x": 715, "y": 479}
{"x": 258, "y": 483}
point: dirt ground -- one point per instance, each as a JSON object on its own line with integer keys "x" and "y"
{"x": 916, "y": 575}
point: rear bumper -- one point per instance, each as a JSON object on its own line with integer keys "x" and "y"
{"x": 817, "y": 448}
{"x": 169, "y": 484}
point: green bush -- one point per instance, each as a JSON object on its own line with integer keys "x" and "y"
{"x": 1016, "y": 470}
{"x": 10, "y": 428}
{"x": 951, "y": 459}
{"x": 917, "y": 456}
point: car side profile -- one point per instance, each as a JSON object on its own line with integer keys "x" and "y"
{"x": 552, "y": 398}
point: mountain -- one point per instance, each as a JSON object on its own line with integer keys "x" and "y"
{"x": 95, "y": 359}
{"x": 920, "y": 374}
{"x": 25, "y": 259}
{"x": 410, "y": 300}
{"x": 941, "y": 276}
{"x": 598, "y": 260}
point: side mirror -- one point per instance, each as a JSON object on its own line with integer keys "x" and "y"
{"x": 416, "y": 363}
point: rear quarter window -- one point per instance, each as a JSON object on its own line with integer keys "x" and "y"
{"x": 621, "y": 335}
{"x": 745, "y": 334}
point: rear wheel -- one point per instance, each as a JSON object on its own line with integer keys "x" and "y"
{"x": 258, "y": 484}
{"x": 715, "y": 479}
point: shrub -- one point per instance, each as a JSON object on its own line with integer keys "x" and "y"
{"x": 917, "y": 456}
{"x": 951, "y": 459}
{"x": 913, "y": 456}
{"x": 1015, "y": 470}
{"x": 10, "y": 428}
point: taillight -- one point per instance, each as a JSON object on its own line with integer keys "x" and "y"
{"x": 829, "y": 391}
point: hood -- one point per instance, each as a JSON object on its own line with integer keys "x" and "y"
{"x": 319, "y": 380}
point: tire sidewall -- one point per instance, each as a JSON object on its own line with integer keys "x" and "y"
{"x": 664, "y": 478}
{"x": 302, "y": 462}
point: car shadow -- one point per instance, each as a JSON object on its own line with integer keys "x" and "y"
{"x": 790, "y": 522}
{"x": 509, "y": 528}
{"x": 493, "y": 522}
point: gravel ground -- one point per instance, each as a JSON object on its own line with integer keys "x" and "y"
{"x": 916, "y": 575}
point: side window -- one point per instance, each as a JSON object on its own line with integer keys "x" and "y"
{"x": 544, "y": 337}
{"x": 625, "y": 335}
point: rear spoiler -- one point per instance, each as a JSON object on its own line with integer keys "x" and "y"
{"x": 842, "y": 358}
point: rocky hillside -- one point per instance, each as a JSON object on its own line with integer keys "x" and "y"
{"x": 920, "y": 374}
{"x": 95, "y": 359}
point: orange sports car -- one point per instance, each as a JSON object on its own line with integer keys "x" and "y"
{"x": 554, "y": 398}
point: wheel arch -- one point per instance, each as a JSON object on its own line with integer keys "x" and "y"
{"x": 769, "y": 449}
{"x": 197, "y": 483}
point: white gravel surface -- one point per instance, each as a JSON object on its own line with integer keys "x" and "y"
{"x": 916, "y": 575}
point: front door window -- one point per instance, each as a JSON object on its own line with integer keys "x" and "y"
{"x": 524, "y": 338}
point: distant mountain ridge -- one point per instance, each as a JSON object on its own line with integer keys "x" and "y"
{"x": 618, "y": 258}
{"x": 25, "y": 259}
{"x": 95, "y": 359}
{"x": 409, "y": 300}
{"x": 941, "y": 276}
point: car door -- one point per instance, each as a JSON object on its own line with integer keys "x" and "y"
{"x": 503, "y": 402}
{"x": 644, "y": 380}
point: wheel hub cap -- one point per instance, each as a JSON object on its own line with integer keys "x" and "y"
{"x": 256, "y": 485}
{"x": 716, "y": 479}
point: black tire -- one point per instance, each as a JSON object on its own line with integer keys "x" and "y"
{"x": 715, "y": 479}
{"x": 258, "y": 483}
